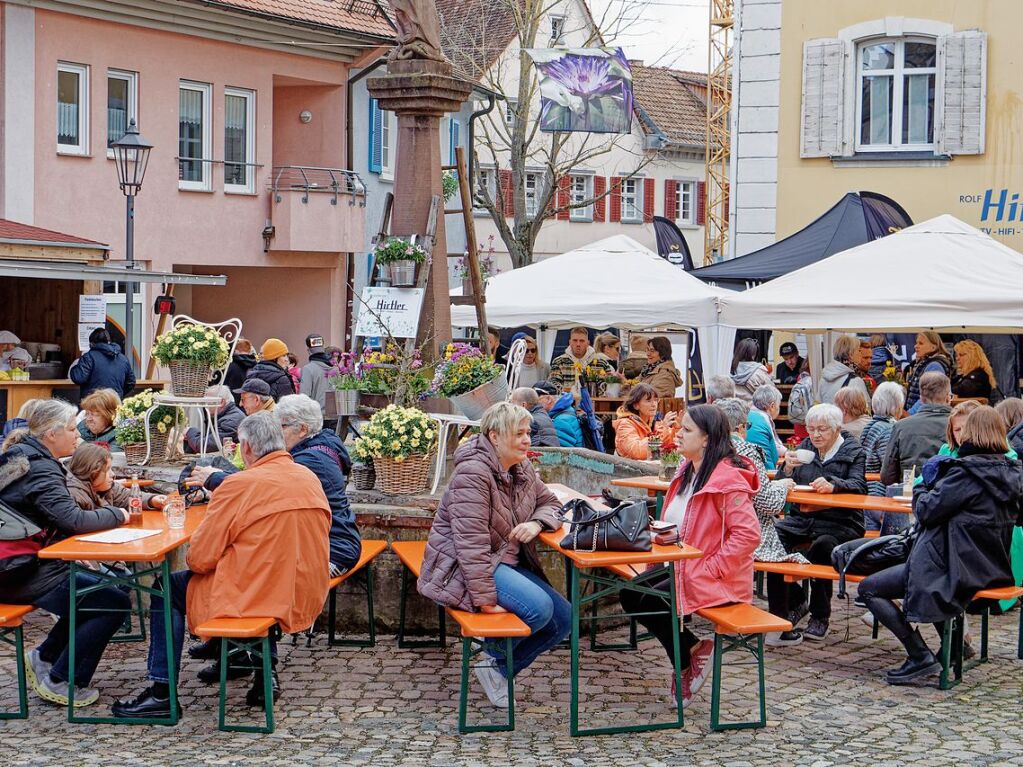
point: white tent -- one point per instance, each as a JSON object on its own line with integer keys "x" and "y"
{"x": 941, "y": 274}
{"x": 614, "y": 282}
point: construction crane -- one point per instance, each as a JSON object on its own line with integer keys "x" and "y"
{"x": 719, "y": 107}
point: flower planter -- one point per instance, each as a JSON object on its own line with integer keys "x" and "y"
{"x": 612, "y": 390}
{"x": 409, "y": 476}
{"x": 474, "y": 403}
{"x": 667, "y": 472}
{"x": 403, "y": 273}
{"x": 189, "y": 379}
{"x": 364, "y": 476}
{"x": 375, "y": 401}
{"x": 346, "y": 401}
{"x": 135, "y": 453}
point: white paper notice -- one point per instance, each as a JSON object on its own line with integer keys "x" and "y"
{"x": 84, "y": 330}
{"x": 119, "y": 535}
{"x": 92, "y": 309}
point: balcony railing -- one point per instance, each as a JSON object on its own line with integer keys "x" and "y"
{"x": 310, "y": 180}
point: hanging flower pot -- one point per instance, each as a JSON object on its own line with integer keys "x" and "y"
{"x": 384, "y": 275}
{"x": 403, "y": 273}
{"x": 399, "y": 256}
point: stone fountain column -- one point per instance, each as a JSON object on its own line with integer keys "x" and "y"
{"x": 420, "y": 92}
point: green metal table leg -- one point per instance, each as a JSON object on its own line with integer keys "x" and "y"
{"x": 715, "y": 689}
{"x": 722, "y": 645}
{"x": 18, "y": 643}
{"x": 471, "y": 647}
{"x": 248, "y": 645}
{"x": 573, "y": 584}
{"x": 126, "y": 633}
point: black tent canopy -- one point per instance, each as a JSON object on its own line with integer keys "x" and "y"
{"x": 857, "y": 218}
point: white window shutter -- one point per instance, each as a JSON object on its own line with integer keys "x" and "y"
{"x": 821, "y": 125}
{"x": 963, "y": 70}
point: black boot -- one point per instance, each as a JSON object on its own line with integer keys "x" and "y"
{"x": 238, "y": 666}
{"x": 255, "y": 697}
{"x": 921, "y": 662}
{"x": 209, "y": 650}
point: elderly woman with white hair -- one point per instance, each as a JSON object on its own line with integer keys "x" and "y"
{"x": 34, "y": 484}
{"x": 887, "y": 403}
{"x": 828, "y": 463}
{"x": 481, "y": 552}
{"x": 766, "y": 406}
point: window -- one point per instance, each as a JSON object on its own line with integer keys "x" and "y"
{"x": 194, "y": 136}
{"x": 557, "y": 28}
{"x": 486, "y": 185}
{"x": 532, "y": 184}
{"x": 632, "y": 209}
{"x": 580, "y": 188}
{"x": 510, "y": 108}
{"x": 685, "y": 197}
{"x": 896, "y": 94}
{"x": 239, "y": 140}
{"x": 122, "y": 104}
{"x": 72, "y": 108}
{"x": 388, "y": 134}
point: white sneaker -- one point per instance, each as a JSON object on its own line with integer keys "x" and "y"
{"x": 494, "y": 683}
{"x": 57, "y": 692}
{"x": 868, "y": 618}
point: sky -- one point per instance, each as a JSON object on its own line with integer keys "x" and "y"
{"x": 661, "y": 32}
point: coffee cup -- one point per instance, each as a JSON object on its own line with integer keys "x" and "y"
{"x": 805, "y": 456}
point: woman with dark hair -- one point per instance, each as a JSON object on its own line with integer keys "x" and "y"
{"x": 710, "y": 501}
{"x": 965, "y": 508}
{"x": 748, "y": 371}
{"x": 660, "y": 372}
{"x": 636, "y": 421}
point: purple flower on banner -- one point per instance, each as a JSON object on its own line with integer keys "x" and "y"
{"x": 584, "y": 76}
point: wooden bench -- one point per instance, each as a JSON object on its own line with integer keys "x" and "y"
{"x": 11, "y": 633}
{"x": 474, "y": 627}
{"x": 371, "y": 549}
{"x": 953, "y": 634}
{"x": 253, "y": 636}
{"x": 735, "y": 627}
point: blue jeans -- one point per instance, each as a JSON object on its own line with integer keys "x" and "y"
{"x": 544, "y": 610}
{"x": 93, "y": 629}
{"x": 888, "y": 524}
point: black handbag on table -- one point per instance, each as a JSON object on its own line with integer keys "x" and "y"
{"x": 625, "y": 527}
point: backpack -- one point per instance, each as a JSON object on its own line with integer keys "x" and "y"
{"x": 800, "y": 401}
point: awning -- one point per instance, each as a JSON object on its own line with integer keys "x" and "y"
{"x": 50, "y": 270}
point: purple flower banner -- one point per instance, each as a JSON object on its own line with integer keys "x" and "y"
{"x": 584, "y": 90}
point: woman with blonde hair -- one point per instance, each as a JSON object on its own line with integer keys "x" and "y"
{"x": 609, "y": 349}
{"x": 974, "y": 376}
{"x": 100, "y": 408}
{"x": 855, "y": 411}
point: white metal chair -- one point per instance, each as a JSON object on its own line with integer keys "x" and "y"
{"x": 516, "y": 355}
{"x": 230, "y": 330}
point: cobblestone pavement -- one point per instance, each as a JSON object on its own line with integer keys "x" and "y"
{"x": 827, "y": 705}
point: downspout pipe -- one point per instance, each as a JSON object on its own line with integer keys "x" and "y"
{"x": 348, "y": 339}
{"x": 491, "y": 103}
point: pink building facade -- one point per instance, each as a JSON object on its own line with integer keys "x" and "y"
{"x": 246, "y": 177}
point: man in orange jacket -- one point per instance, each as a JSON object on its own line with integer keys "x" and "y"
{"x": 262, "y": 550}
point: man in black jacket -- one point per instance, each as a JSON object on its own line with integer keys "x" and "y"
{"x": 917, "y": 439}
{"x": 242, "y": 361}
{"x": 541, "y": 431}
{"x": 103, "y": 367}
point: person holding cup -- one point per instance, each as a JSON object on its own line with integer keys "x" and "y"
{"x": 829, "y": 463}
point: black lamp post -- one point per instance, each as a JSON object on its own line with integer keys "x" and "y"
{"x": 131, "y": 155}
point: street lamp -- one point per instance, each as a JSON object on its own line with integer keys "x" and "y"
{"x": 131, "y": 155}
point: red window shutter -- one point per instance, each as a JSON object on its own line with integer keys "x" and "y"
{"x": 600, "y": 204}
{"x": 506, "y": 193}
{"x": 563, "y": 198}
{"x": 616, "y": 199}
{"x": 648, "y": 200}
{"x": 670, "y": 199}
{"x": 701, "y": 203}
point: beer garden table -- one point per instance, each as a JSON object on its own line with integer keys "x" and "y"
{"x": 581, "y": 567}
{"x": 155, "y": 550}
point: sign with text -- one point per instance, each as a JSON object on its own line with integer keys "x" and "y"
{"x": 92, "y": 309}
{"x": 389, "y": 310}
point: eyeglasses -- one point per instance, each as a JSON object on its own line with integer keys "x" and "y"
{"x": 819, "y": 429}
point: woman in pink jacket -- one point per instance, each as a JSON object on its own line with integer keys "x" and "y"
{"x": 710, "y": 500}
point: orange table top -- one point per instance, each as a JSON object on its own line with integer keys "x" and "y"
{"x": 643, "y": 483}
{"x": 871, "y": 476}
{"x": 591, "y": 559}
{"x": 149, "y": 549}
{"x": 848, "y": 501}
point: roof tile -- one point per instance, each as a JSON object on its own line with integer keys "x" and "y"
{"x": 12, "y": 230}
{"x": 363, "y": 16}
{"x": 674, "y": 101}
